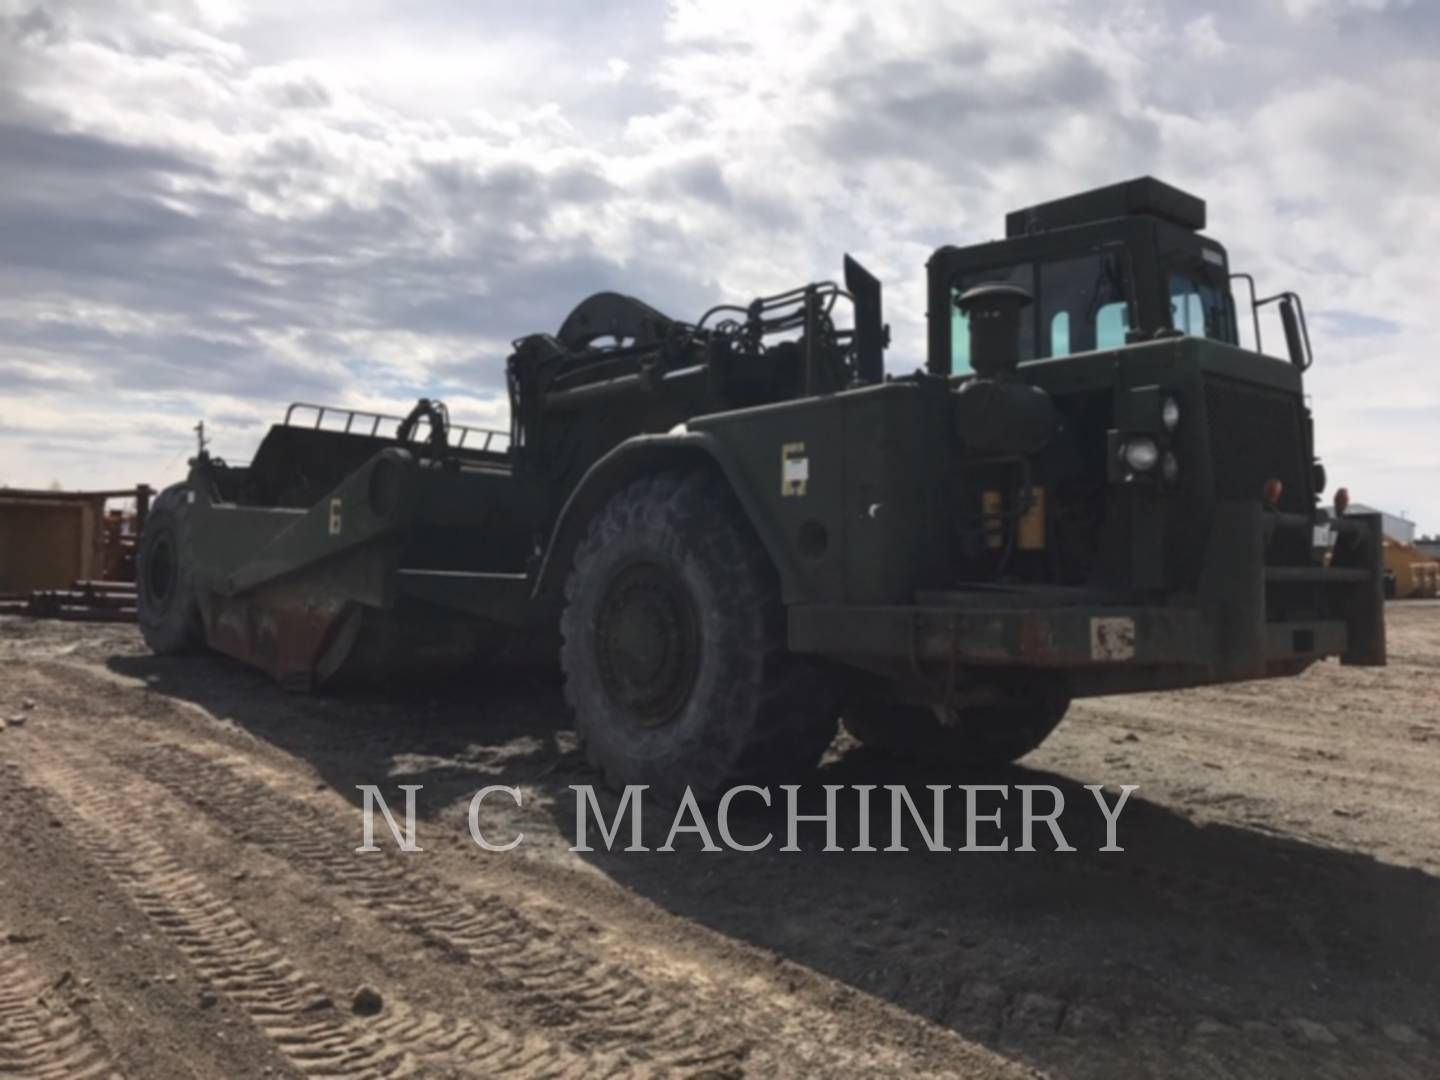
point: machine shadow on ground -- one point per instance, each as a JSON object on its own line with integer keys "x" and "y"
{"x": 1030, "y": 953}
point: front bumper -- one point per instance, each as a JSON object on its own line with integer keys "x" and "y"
{"x": 1068, "y": 638}
{"x": 1231, "y": 628}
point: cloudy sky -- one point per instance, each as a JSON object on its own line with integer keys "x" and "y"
{"x": 212, "y": 208}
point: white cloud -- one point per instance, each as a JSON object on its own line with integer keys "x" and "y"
{"x": 1204, "y": 38}
{"x": 1305, "y": 9}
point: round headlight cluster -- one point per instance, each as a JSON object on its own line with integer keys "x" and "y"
{"x": 1140, "y": 454}
{"x": 1170, "y": 413}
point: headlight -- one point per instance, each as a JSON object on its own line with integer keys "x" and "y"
{"x": 1170, "y": 414}
{"x": 1140, "y": 454}
{"x": 1170, "y": 469}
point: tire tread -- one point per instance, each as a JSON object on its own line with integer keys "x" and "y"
{"x": 772, "y": 725}
{"x": 178, "y": 628}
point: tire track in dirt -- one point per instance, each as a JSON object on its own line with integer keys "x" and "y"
{"x": 595, "y": 1004}
{"x": 288, "y": 1008}
{"x": 485, "y": 1050}
{"x": 284, "y": 1004}
{"x": 41, "y": 1037}
{"x": 606, "y": 1007}
{"x": 782, "y": 1025}
{"x": 534, "y": 970}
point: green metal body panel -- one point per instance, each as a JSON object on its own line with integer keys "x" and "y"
{"x": 866, "y": 522}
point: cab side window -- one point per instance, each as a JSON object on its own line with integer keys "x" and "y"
{"x": 1199, "y": 308}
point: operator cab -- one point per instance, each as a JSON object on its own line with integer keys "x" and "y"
{"x": 1105, "y": 268}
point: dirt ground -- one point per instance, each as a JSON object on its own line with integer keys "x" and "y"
{"x": 180, "y": 895}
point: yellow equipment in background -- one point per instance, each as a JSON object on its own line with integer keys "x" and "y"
{"x": 1409, "y": 572}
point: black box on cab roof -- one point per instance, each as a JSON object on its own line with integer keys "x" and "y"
{"x": 1145, "y": 195}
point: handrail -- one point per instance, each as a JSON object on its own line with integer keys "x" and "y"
{"x": 376, "y": 419}
{"x": 1249, "y": 279}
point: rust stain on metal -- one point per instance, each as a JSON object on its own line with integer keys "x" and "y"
{"x": 284, "y": 635}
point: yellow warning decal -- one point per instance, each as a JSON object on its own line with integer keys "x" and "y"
{"x": 794, "y": 469}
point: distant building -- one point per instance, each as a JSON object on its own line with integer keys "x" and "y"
{"x": 1395, "y": 526}
{"x": 1430, "y": 545}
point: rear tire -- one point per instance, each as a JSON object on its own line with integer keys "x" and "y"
{"x": 167, "y": 604}
{"x": 674, "y": 649}
{"x": 982, "y": 736}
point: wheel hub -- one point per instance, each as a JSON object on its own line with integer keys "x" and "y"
{"x": 647, "y": 642}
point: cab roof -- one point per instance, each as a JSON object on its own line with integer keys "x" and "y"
{"x": 1144, "y": 195}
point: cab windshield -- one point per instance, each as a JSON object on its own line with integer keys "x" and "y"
{"x": 1081, "y": 304}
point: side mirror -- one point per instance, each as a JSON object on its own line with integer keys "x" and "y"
{"x": 1292, "y": 318}
{"x": 1297, "y": 336}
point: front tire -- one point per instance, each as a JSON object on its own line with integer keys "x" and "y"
{"x": 674, "y": 652}
{"x": 167, "y": 605}
{"x": 985, "y": 736}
